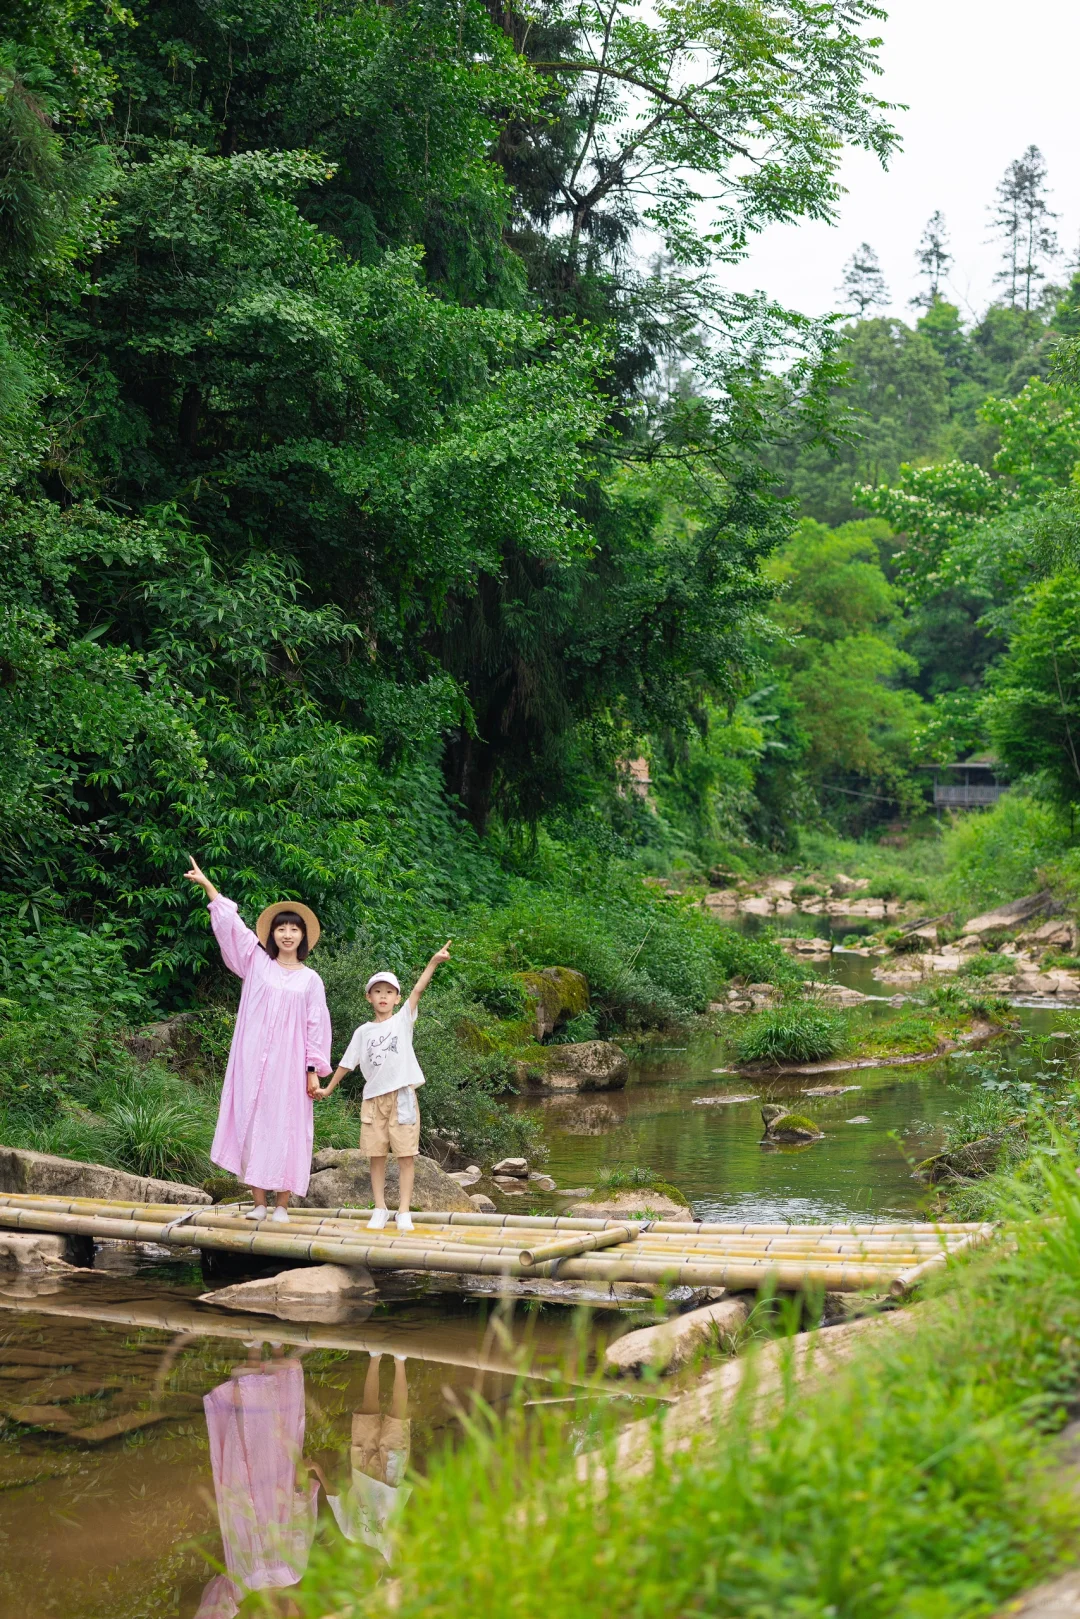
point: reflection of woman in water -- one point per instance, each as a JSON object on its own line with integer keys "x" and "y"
{"x": 379, "y": 1458}
{"x": 266, "y": 1501}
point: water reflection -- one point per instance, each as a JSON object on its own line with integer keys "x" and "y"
{"x": 267, "y": 1498}
{"x": 378, "y": 1462}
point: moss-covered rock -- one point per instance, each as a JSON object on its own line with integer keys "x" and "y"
{"x": 584, "y": 1065}
{"x": 558, "y": 994}
{"x": 781, "y": 1125}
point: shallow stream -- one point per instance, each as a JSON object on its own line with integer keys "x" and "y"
{"x": 159, "y": 1459}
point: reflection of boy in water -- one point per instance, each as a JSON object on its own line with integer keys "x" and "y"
{"x": 265, "y": 1499}
{"x": 379, "y": 1458}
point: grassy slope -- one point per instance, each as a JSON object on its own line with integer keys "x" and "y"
{"x": 913, "y": 1485}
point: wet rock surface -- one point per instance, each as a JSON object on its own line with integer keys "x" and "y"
{"x": 670, "y": 1345}
{"x": 317, "y": 1293}
{"x": 48, "y": 1176}
{"x": 640, "y": 1204}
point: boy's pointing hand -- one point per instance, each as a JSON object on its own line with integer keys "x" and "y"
{"x": 443, "y": 954}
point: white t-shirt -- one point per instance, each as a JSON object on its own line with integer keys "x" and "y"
{"x": 384, "y": 1054}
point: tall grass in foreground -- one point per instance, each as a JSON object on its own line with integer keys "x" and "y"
{"x": 915, "y": 1483}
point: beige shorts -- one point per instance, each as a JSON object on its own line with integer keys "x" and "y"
{"x": 380, "y": 1132}
{"x": 381, "y": 1446}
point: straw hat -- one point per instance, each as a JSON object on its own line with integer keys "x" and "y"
{"x": 262, "y": 926}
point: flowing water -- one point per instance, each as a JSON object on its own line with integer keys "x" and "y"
{"x": 158, "y": 1459}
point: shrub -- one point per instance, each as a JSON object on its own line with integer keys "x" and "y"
{"x": 795, "y": 1033}
{"x": 995, "y": 856}
{"x": 166, "y": 1139}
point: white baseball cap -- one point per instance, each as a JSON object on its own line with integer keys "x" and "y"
{"x": 382, "y": 978}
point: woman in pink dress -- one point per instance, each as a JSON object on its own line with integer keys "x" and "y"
{"x": 265, "y": 1128}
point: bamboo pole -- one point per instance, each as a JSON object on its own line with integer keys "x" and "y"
{"x": 580, "y": 1243}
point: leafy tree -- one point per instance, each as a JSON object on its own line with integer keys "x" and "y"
{"x": 863, "y": 286}
{"x": 1034, "y": 699}
{"x": 933, "y": 258}
{"x": 1022, "y": 218}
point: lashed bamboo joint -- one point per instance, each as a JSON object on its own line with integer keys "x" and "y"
{"x": 662, "y": 1253}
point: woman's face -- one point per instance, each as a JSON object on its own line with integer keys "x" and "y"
{"x": 288, "y": 937}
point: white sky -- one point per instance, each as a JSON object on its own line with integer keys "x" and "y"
{"x": 983, "y": 80}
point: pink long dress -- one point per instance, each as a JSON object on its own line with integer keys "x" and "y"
{"x": 266, "y": 1122}
{"x": 266, "y": 1502}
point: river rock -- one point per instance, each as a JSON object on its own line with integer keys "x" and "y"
{"x": 165, "y": 1039}
{"x": 315, "y": 1293}
{"x": 517, "y": 1167}
{"x": 31, "y": 1253}
{"x": 584, "y": 1065}
{"x": 639, "y": 1204}
{"x": 342, "y": 1179}
{"x": 482, "y": 1203}
{"x": 756, "y": 905}
{"x": 1007, "y": 917}
{"x": 558, "y": 994}
{"x": 969, "y": 1162}
{"x": 784, "y": 1126}
{"x": 48, "y": 1176}
{"x": 671, "y": 1344}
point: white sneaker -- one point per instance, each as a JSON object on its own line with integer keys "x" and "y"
{"x": 258, "y": 1212}
{"x": 378, "y": 1220}
{"x": 404, "y": 1220}
{"x": 280, "y": 1216}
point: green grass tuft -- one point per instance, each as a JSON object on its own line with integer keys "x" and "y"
{"x": 792, "y": 1034}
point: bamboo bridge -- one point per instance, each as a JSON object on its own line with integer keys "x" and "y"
{"x": 661, "y": 1253}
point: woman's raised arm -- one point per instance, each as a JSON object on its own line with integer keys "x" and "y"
{"x": 238, "y": 943}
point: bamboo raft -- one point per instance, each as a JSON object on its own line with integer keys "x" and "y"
{"x": 661, "y": 1253}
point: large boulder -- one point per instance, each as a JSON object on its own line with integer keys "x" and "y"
{"x": 314, "y": 1293}
{"x": 558, "y": 994}
{"x": 1007, "y": 917}
{"x": 584, "y": 1065}
{"x": 47, "y": 1176}
{"x": 970, "y": 1161}
{"x": 341, "y": 1179}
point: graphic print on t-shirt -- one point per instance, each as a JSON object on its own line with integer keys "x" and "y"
{"x": 379, "y": 1050}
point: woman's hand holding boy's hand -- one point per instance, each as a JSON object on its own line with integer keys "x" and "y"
{"x": 313, "y": 1087}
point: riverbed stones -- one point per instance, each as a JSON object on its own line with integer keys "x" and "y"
{"x": 518, "y": 1168}
{"x": 666, "y": 1347}
{"x": 558, "y": 994}
{"x": 483, "y": 1204}
{"x": 49, "y": 1176}
{"x": 583, "y": 1065}
{"x": 342, "y": 1179}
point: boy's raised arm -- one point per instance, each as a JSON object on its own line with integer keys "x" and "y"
{"x": 428, "y": 974}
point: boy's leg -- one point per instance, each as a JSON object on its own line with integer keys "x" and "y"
{"x": 378, "y": 1181}
{"x": 399, "y": 1403}
{"x": 406, "y": 1175}
{"x": 370, "y": 1405}
{"x": 281, "y": 1199}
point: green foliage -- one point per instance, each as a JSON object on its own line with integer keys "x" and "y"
{"x": 796, "y": 1033}
{"x": 996, "y": 856}
{"x": 1034, "y": 704}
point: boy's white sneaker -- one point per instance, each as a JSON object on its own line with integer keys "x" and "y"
{"x": 403, "y": 1220}
{"x": 280, "y": 1216}
{"x": 378, "y": 1220}
{"x": 258, "y": 1212}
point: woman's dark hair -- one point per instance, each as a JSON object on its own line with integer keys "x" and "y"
{"x": 271, "y": 946}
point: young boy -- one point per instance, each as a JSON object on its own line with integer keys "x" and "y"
{"x": 389, "y": 1117}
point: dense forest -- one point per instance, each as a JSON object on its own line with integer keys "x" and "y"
{"x": 370, "y": 501}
